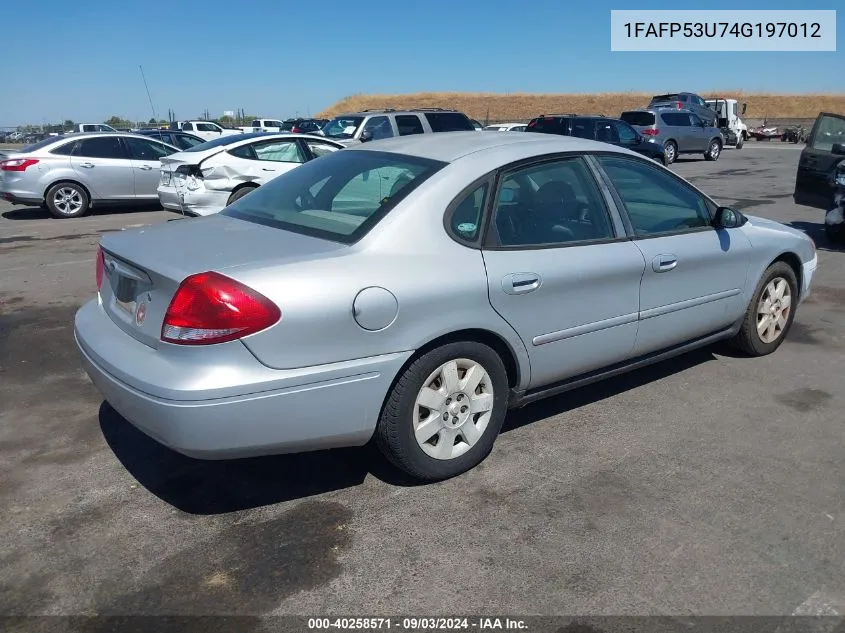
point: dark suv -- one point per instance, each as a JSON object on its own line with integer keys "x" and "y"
{"x": 598, "y": 128}
{"x": 686, "y": 101}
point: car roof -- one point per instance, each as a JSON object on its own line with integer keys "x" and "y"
{"x": 451, "y": 146}
{"x": 399, "y": 111}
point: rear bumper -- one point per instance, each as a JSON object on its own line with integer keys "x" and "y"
{"x": 230, "y": 405}
{"x": 17, "y": 198}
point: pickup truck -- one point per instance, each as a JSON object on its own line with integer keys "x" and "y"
{"x": 263, "y": 125}
{"x": 86, "y": 127}
{"x": 204, "y": 129}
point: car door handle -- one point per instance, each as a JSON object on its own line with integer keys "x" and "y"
{"x": 145, "y": 168}
{"x": 86, "y": 165}
{"x": 520, "y": 283}
{"x": 664, "y": 263}
{"x": 267, "y": 169}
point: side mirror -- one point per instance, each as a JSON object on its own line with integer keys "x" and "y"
{"x": 727, "y": 218}
{"x": 838, "y": 149}
{"x": 744, "y": 106}
{"x": 366, "y": 135}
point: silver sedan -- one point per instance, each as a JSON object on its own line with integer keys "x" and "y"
{"x": 70, "y": 174}
{"x": 410, "y": 291}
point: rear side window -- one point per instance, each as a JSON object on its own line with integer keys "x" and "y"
{"x": 548, "y": 125}
{"x": 449, "y": 122}
{"x": 680, "y": 119}
{"x": 339, "y": 197}
{"x": 102, "y": 147}
{"x": 638, "y": 118}
{"x": 465, "y": 221}
{"x": 583, "y": 128}
{"x": 408, "y": 124}
{"x": 207, "y": 127}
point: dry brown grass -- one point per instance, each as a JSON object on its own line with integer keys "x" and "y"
{"x": 520, "y": 106}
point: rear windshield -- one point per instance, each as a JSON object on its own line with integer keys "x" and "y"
{"x": 449, "y": 122}
{"x": 638, "y": 118}
{"x": 547, "y": 125}
{"x": 342, "y": 126}
{"x": 339, "y": 197}
{"x": 668, "y": 97}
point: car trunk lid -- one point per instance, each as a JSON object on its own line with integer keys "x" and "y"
{"x": 143, "y": 268}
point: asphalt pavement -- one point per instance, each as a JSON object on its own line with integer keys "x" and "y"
{"x": 710, "y": 484}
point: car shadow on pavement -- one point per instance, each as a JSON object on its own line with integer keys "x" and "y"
{"x": 205, "y": 487}
{"x": 39, "y": 213}
{"x": 816, "y": 232}
{"x": 609, "y": 387}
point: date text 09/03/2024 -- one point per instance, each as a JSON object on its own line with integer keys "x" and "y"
{"x": 723, "y": 29}
{"x": 416, "y": 624}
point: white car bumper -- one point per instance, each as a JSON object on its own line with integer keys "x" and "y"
{"x": 197, "y": 202}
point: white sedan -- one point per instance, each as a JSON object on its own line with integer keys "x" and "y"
{"x": 506, "y": 127}
{"x": 206, "y": 178}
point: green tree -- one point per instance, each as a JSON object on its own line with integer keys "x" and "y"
{"x": 152, "y": 121}
{"x": 68, "y": 124}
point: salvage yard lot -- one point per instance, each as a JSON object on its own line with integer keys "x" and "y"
{"x": 708, "y": 484}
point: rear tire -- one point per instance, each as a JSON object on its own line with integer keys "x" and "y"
{"x": 769, "y": 317}
{"x": 714, "y": 150}
{"x": 438, "y": 422}
{"x": 740, "y": 141}
{"x": 67, "y": 200}
{"x": 240, "y": 193}
{"x": 670, "y": 149}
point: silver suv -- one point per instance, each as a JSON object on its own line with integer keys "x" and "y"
{"x": 679, "y": 131}
{"x": 69, "y": 174}
{"x": 371, "y": 125}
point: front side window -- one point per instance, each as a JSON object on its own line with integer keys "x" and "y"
{"x": 339, "y": 197}
{"x": 584, "y": 128}
{"x": 554, "y": 203}
{"x": 143, "y": 149}
{"x": 379, "y": 127}
{"x": 318, "y": 148}
{"x": 188, "y": 127}
{"x": 830, "y": 130}
{"x": 100, "y": 147}
{"x": 279, "y": 151}
{"x": 207, "y": 127}
{"x": 655, "y": 200}
{"x": 626, "y": 133}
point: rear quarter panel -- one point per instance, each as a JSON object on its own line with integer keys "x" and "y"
{"x": 440, "y": 287}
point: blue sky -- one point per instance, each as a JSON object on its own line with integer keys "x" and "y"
{"x": 79, "y": 59}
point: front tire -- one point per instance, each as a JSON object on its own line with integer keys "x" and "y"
{"x": 445, "y": 411}
{"x": 714, "y": 150}
{"x": 67, "y": 200}
{"x": 770, "y": 313}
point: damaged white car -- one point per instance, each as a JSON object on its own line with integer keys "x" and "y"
{"x": 206, "y": 178}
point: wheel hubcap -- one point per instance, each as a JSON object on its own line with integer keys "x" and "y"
{"x": 670, "y": 152}
{"x": 714, "y": 150}
{"x": 453, "y": 409}
{"x": 67, "y": 200}
{"x": 773, "y": 310}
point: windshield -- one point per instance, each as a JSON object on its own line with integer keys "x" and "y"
{"x": 342, "y": 126}
{"x": 339, "y": 197}
{"x": 222, "y": 141}
{"x": 638, "y": 118}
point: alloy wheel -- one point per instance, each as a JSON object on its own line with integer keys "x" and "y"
{"x": 773, "y": 310}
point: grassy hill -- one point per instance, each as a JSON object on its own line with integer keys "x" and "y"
{"x": 520, "y": 106}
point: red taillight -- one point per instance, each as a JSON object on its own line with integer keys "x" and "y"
{"x": 101, "y": 266}
{"x": 295, "y": 130}
{"x": 17, "y": 164}
{"x": 212, "y": 308}
{"x": 650, "y": 132}
{"x": 680, "y": 105}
